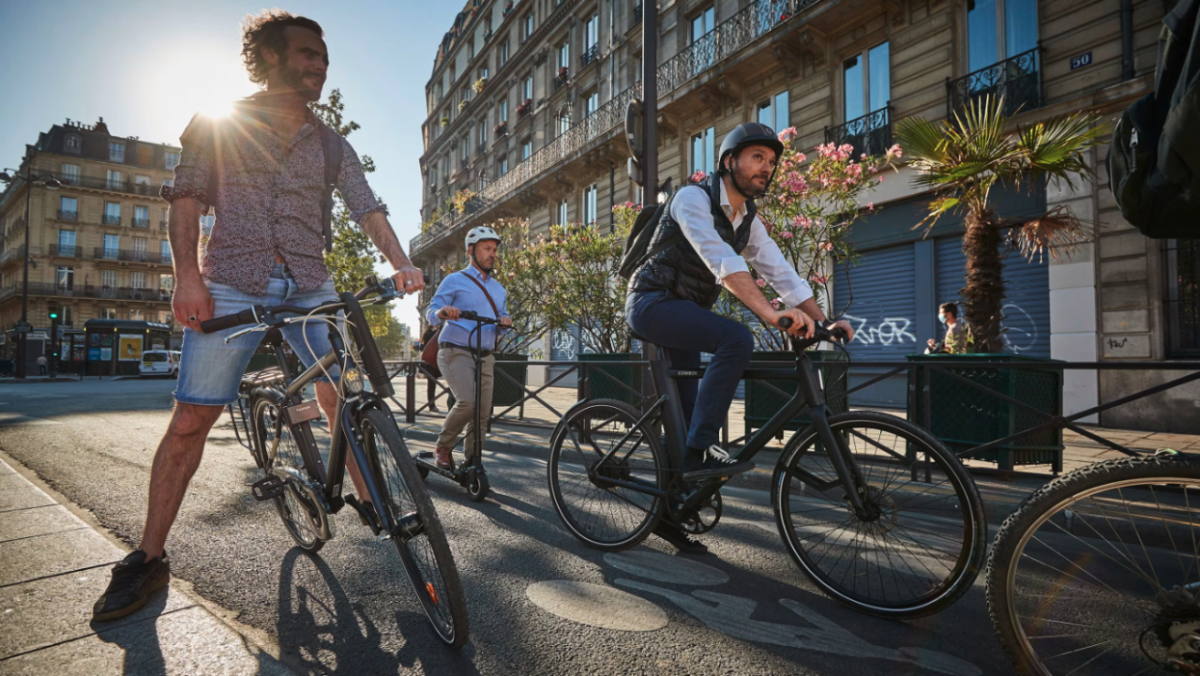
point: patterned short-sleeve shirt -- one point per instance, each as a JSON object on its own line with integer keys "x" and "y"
{"x": 268, "y": 199}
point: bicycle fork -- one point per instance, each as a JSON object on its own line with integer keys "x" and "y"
{"x": 839, "y": 456}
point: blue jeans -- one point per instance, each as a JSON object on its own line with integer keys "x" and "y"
{"x": 685, "y": 330}
{"x": 210, "y": 370}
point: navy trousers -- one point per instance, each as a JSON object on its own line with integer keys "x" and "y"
{"x": 685, "y": 329}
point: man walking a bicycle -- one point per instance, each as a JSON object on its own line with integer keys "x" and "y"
{"x": 716, "y": 232}
{"x": 263, "y": 170}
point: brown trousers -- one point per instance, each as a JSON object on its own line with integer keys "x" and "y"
{"x": 458, "y": 368}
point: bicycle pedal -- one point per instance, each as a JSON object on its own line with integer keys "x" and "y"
{"x": 268, "y": 488}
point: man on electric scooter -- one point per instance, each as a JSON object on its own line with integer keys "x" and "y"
{"x": 716, "y": 230}
{"x": 471, "y": 289}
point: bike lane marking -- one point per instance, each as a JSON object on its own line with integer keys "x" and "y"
{"x": 597, "y": 605}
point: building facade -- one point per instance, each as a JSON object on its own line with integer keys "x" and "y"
{"x": 97, "y": 245}
{"x": 526, "y": 108}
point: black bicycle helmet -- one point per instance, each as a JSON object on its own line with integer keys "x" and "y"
{"x": 745, "y": 135}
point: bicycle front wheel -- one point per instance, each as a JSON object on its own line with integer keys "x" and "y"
{"x": 418, "y": 537}
{"x": 279, "y": 454}
{"x": 1099, "y": 571}
{"x": 922, "y": 544}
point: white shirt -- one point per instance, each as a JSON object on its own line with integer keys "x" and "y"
{"x": 691, "y": 208}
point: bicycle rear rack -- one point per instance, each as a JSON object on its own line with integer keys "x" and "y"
{"x": 245, "y": 424}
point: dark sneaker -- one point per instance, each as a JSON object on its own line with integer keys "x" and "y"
{"x": 685, "y": 543}
{"x": 711, "y": 463}
{"x": 134, "y": 579}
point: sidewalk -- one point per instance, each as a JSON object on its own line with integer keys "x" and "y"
{"x": 53, "y": 566}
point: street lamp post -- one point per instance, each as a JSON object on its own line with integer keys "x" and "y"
{"x": 30, "y": 180}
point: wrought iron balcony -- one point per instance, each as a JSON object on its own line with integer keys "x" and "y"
{"x": 105, "y": 254}
{"x": 1018, "y": 80}
{"x": 112, "y": 185}
{"x": 141, "y": 223}
{"x": 87, "y": 291}
{"x": 589, "y": 56}
{"x": 130, "y": 255}
{"x": 561, "y": 80}
{"x": 67, "y": 215}
{"x": 66, "y": 250}
{"x": 163, "y": 225}
{"x": 637, "y": 13}
{"x": 109, "y": 219}
{"x": 870, "y": 134}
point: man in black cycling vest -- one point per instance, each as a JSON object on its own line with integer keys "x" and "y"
{"x": 671, "y": 295}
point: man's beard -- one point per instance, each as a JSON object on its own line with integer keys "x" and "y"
{"x": 486, "y": 271}
{"x": 746, "y": 188}
{"x": 293, "y": 78}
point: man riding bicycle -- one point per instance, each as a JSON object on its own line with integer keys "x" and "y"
{"x": 716, "y": 232}
{"x": 263, "y": 169}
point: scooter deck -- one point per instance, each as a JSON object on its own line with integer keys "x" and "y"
{"x": 426, "y": 460}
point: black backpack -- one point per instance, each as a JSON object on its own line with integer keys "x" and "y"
{"x": 637, "y": 245}
{"x": 1154, "y": 159}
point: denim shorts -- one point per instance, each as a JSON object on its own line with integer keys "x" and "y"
{"x": 210, "y": 370}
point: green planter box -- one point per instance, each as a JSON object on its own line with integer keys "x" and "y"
{"x": 260, "y": 361}
{"x": 504, "y": 392}
{"x": 600, "y": 381}
{"x": 963, "y": 416}
{"x": 763, "y": 401}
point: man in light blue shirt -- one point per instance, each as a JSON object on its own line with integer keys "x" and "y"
{"x": 473, "y": 290}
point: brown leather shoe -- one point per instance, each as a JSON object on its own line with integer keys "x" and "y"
{"x": 445, "y": 458}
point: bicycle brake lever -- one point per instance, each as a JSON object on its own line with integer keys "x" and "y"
{"x": 257, "y": 327}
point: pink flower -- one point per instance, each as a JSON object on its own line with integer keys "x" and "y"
{"x": 785, "y": 235}
{"x": 828, "y": 246}
{"x": 802, "y": 222}
{"x": 870, "y": 206}
{"x": 697, "y": 176}
{"x": 760, "y": 282}
{"x": 895, "y": 151}
{"x": 787, "y": 134}
{"x": 775, "y": 303}
{"x": 862, "y": 157}
{"x": 818, "y": 279}
{"x": 801, "y": 157}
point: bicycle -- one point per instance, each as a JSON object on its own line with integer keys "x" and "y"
{"x": 908, "y": 514}
{"x": 277, "y": 422}
{"x": 470, "y": 474}
{"x": 1098, "y": 572}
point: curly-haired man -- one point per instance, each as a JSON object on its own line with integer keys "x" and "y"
{"x": 262, "y": 171}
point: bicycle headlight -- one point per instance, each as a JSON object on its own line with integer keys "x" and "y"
{"x": 352, "y": 381}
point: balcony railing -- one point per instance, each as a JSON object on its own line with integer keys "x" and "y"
{"x": 870, "y": 134}
{"x": 129, "y": 255}
{"x": 729, "y": 37}
{"x": 109, "y": 219}
{"x": 67, "y": 215}
{"x": 14, "y": 254}
{"x": 66, "y": 250}
{"x": 105, "y": 254}
{"x": 87, "y": 291}
{"x": 561, "y": 81}
{"x": 163, "y": 225}
{"x": 637, "y": 13}
{"x": 108, "y": 184}
{"x": 141, "y": 223}
{"x": 591, "y": 54}
{"x": 1018, "y": 80}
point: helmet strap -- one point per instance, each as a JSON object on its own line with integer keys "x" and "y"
{"x": 486, "y": 271}
{"x": 744, "y": 192}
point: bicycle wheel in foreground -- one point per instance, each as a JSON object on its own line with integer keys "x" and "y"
{"x": 423, "y": 550}
{"x": 294, "y": 508}
{"x": 924, "y": 542}
{"x": 597, "y": 512}
{"x": 1098, "y": 572}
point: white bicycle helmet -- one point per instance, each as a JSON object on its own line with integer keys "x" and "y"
{"x": 481, "y": 234}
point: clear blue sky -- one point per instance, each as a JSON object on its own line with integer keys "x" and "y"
{"x": 147, "y": 66}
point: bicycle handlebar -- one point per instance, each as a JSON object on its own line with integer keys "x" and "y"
{"x": 820, "y": 333}
{"x": 474, "y": 316}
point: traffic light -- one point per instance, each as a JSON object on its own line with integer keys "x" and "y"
{"x": 53, "y": 307}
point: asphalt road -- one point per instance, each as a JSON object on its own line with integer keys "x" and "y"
{"x": 539, "y": 602}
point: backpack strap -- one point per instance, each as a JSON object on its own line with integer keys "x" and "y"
{"x": 331, "y": 145}
{"x": 485, "y": 293}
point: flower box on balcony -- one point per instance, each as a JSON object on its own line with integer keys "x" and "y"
{"x": 525, "y": 106}
{"x": 487, "y": 35}
{"x": 500, "y": 129}
{"x": 462, "y": 105}
{"x": 562, "y": 72}
{"x": 445, "y": 120}
{"x": 479, "y": 84}
{"x": 508, "y": 7}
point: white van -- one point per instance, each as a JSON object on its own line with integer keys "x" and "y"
{"x": 160, "y": 363}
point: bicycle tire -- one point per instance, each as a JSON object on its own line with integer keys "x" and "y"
{"x": 650, "y": 468}
{"x": 267, "y": 423}
{"x": 429, "y": 563}
{"x": 908, "y": 543}
{"x": 1065, "y": 507}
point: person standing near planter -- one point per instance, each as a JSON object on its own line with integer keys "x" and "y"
{"x": 430, "y": 378}
{"x": 955, "y": 341}
{"x": 470, "y": 289}
{"x": 715, "y": 231}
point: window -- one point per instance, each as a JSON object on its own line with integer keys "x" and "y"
{"x": 470, "y": 51}
{"x": 165, "y": 317}
{"x": 164, "y": 249}
{"x": 69, "y": 173}
{"x": 867, "y": 85}
{"x": 65, "y": 281}
{"x": 703, "y": 23}
{"x": 1183, "y": 298}
{"x": 145, "y": 155}
{"x": 527, "y": 27}
{"x": 116, "y": 151}
{"x": 141, "y": 216}
{"x": 702, "y": 151}
{"x": 504, "y": 52}
{"x": 701, "y": 31}
{"x": 502, "y": 113}
{"x": 142, "y": 181}
{"x": 66, "y": 242}
{"x": 166, "y": 283}
{"x": 1000, "y": 29}
{"x": 527, "y": 88}
{"x": 72, "y": 144}
{"x": 139, "y": 248}
{"x": 589, "y": 204}
{"x": 774, "y": 111}
{"x": 464, "y": 151}
{"x": 503, "y": 165}
{"x": 137, "y": 280}
{"x": 112, "y": 245}
{"x": 116, "y": 180}
{"x": 591, "y": 104}
{"x": 560, "y": 213}
{"x": 482, "y": 134}
{"x": 108, "y": 279}
{"x": 564, "y": 54}
{"x": 562, "y": 123}
{"x": 591, "y": 33}
{"x": 66, "y": 314}
{"x": 137, "y": 315}
{"x": 526, "y": 148}
{"x": 108, "y": 313}
{"x": 68, "y": 208}
{"x": 112, "y": 213}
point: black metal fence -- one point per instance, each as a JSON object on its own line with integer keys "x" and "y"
{"x": 870, "y": 134}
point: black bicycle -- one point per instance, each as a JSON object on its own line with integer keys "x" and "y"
{"x": 875, "y": 510}
{"x": 278, "y": 427}
{"x": 1098, "y": 572}
{"x": 470, "y": 474}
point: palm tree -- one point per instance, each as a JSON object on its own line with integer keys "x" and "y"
{"x": 963, "y": 159}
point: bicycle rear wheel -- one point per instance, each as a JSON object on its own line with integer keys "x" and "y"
{"x": 1099, "y": 571}
{"x": 925, "y": 542}
{"x": 419, "y": 538}
{"x": 599, "y": 513}
{"x": 287, "y": 462}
